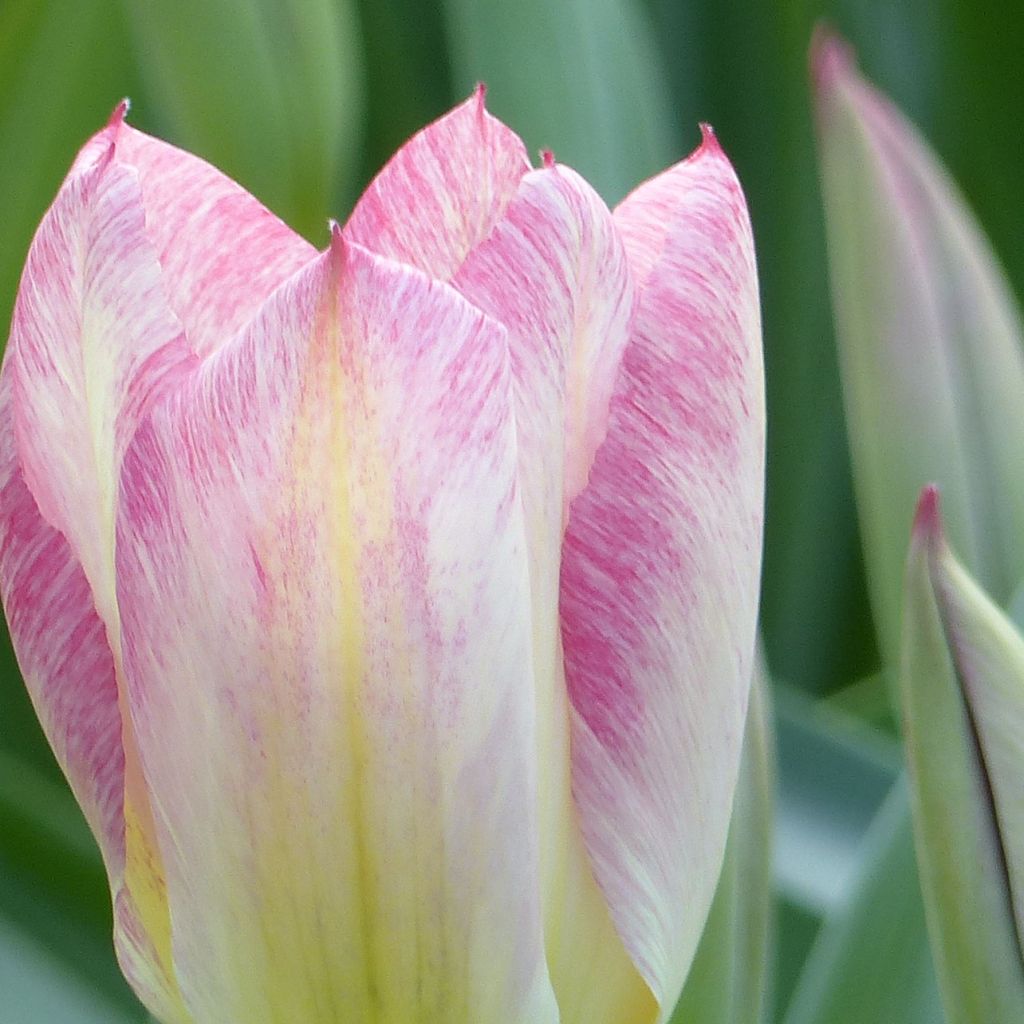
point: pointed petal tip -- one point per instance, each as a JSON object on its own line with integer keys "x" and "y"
{"x": 338, "y": 248}
{"x": 548, "y": 159}
{"x": 118, "y": 114}
{"x": 832, "y": 59}
{"x": 480, "y": 95}
{"x": 709, "y": 144}
{"x": 928, "y": 517}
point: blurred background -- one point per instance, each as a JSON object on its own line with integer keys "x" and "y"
{"x": 301, "y": 101}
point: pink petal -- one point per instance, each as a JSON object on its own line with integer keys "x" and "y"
{"x": 62, "y": 650}
{"x": 661, "y": 565}
{"x": 92, "y": 341}
{"x": 326, "y": 634}
{"x": 221, "y": 251}
{"x": 442, "y": 192}
{"x": 554, "y": 271}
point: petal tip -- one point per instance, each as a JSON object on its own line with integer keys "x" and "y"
{"x": 832, "y": 59}
{"x": 708, "y": 140}
{"x": 548, "y": 159}
{"x": 480, "y": 96}
{"x": 119, "y": 113}
{"x": 928, "y": 516}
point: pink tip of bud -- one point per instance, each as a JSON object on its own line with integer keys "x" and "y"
{"x": 832, "y": 58}
{"x": 928, "y": 517}
{"x": 118, "y": 114}
{"x": 548, "y": 158}
{"x": 480, "y": 94}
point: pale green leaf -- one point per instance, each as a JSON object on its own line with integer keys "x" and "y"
{"x": 956, "y": 642}
{"x": 270, "y": 92}
{"x": 870, "y": 962}
{"x": 930, "y": 343}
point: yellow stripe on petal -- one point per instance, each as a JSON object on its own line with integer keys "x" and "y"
{"x": 321, "y": 566}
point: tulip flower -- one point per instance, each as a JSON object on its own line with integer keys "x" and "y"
{"x": 963, "y": 689}
{"x": 930, "y": 342}
{"x": 391, "y": 608}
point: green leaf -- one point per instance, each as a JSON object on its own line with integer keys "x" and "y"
{"x": 870, "y": 962}
{"x": 37, "y": 987}
{"x": 270, "y": 92}
{"x": 53, "y": 889}
{"x": 581, "y": 77}
{"x": 834, "y": 772}
{"x": 931, "y": 345}
{"x": 728, "y": 980}
{"x": 965, "y": 770}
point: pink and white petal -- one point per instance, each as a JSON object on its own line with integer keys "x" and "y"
{"x": 62, "y": 650}
{"x": 221, "y": 251}
{"x": 92, "y": 337}
{"x": 92, "y": 341}
{"x": 442, "y": 192}
{"x": 554, "y": 272}
{"x": 326, "y": 631}
{"x": 661, "y": 565}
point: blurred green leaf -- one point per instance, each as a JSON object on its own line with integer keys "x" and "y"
{"x": 38, "y": 989}
{"x": 270, "y": 92}
{"x": 728, "y": 981}
{"x": 931, "y": 343}
{"x": 581, "y": 77}
{"x": 965, "y": 770}
{"x": 53, "y": 889}
{"x": 871, "y": 962}
{"x": 407, "y": 73}
{"x": 834, "y": 772}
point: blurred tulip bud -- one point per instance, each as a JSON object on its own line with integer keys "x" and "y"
{"x": 391, "y": 609}
{"x": 930, "y": 343}
{"x": 962, "y": 677}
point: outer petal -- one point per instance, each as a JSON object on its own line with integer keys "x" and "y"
{"x": 221, "y": 251}
{"x": 554, "y": 271}
{"x": 661, "y": 565}
{"x": 92, "y": 340}
{"x": 930, "y": 341}
{"x": 62, "y": 649}
{"x": 962, "y": 677}
{"x": 442, "y": 192}
{"x": 326, "y": 634}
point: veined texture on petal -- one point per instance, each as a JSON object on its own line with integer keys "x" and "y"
{"x": 92, "y": 340}
{"x": 930, "y": 342}
{"x": 962, "y": 681}
{"x": 554, "y": 272}
{"x": 147, "y": 256}
{"x": 660, "y": 569}
{"x": 442, "y": 192}
{"x": 321, "y": 566}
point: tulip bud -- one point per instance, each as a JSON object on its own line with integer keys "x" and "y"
{"x": 391, "y": 608}
{"x": 930, "y": 341}
{"x": 962, "y": 677}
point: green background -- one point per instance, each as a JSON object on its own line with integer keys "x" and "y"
{"x": 302, "y": 102}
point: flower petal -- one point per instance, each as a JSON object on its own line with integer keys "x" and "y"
{"x": 92, "y": 339}
{"x": 554, "y": 272}
{"x": 442, "y": 192}
{"x": 962, "y": 681}
{"x": 326, "y": 635}
{"x": 930, "y": 341}
{"x": 661, "y": 565}
{"x": 221, "y": 251}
